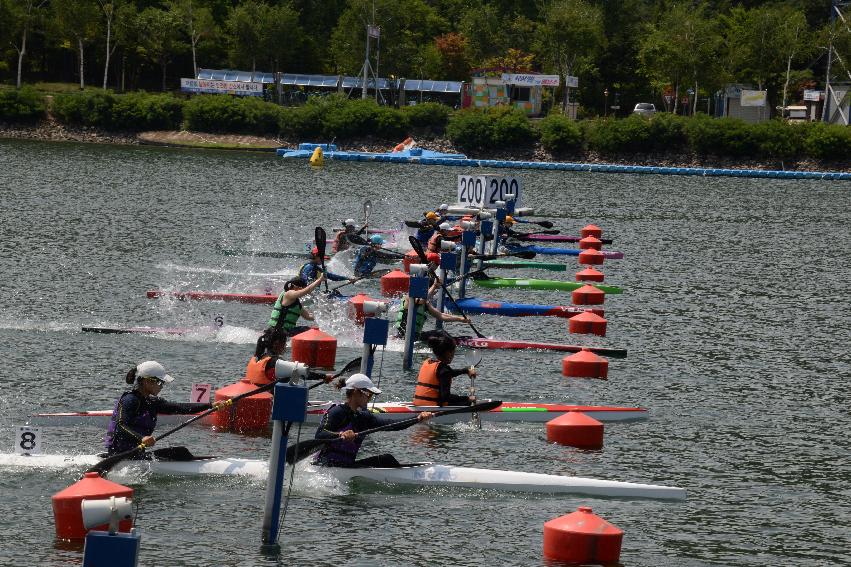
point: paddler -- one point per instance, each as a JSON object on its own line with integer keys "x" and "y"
{"x": 424, "y": 308}
{"x": 270, "y": 346}
{"x": 444, "y": 232}
{"x": 367, "y": 256}
{"x": 434, "y": 382}
{"x": 427, "y": 227}
{"x": 341, "y": 240}
{"x": 288, "y": 307}
{"x": 134, "y": 417}
{"x": 345, "y": 421}
{"x": 311, "y": 270}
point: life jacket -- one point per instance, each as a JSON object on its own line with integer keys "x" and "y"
{"x": 420, "y": 316}
{"x": 427, "y": 392}
{"x": 285, "y": 317}
{"x": 364, "y": 261}
{"x": 424, "y": 234}
{"x": 255, "y": 371}
{"x": 341, "y": 242}
{"x": 434, "y": 242}
{"x": 142, "y": 424}
{"x": 339, "y": 453}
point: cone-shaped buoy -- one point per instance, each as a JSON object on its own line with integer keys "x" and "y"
{"x": 587, "y": 323}
{"x": 589, "y": 274}
{"x": 582, "y": 538}
{"x": 591, "y": 256}
{"x": 588, "y": 295}
{"x": 67, "y": 511}
{"x": 411, "y": 257}
{"x": 575, "y": 429}
{"x": 355, "y": 307}
{"x": 249, "y": 414}
{"x": 395, "y": 284}
{"x": 584, "y": 364}
{"x": 314, "y": 348}
{"x": 591, "y": 230}
{"x": 317, "y": 159}
{"x": 590, "y": 243}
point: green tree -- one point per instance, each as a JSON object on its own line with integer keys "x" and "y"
{"x": 245, "y": 34}
{"x": 159, "y": 36}
{"x": 21, "y": 16}
{"x": 77, "y": 20}
{"x": 570, "y": 38}
{"x": 111, "y": 9}
{"x": 197, "y": 22}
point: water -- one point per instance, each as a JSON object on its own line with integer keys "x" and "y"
{"x": 735, "y": 316}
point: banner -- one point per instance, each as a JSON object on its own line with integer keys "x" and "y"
{"x": 813, "y": 95}
{"x": 571, "y": 81}
{"x": 753, "y": 98}
{"x": 221, "y": 87}
{"x": 526, "y": 80}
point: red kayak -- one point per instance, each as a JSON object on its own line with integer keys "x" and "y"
{"x": 494, "y": 344}
{"x": 214, "y": 296}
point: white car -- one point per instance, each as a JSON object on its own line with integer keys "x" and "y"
{"x": 645, "y": 109}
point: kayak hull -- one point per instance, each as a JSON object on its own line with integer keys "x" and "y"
{"x": 525, "y": 264}
{"x": 476, "y": 305}
{"x": 257, "y": 298}
{"x": 542, "y": 284}
{"x": 497, "y": 344}
{"x": 608, "y": 254}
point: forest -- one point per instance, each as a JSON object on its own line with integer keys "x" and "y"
{"x": 633, "y": 50}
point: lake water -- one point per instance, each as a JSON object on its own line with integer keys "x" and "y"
{"x": 736, "y": 317}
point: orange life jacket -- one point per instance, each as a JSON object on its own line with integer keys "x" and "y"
{"x": 427, "y": 392}
{"x": 255, "y": 372}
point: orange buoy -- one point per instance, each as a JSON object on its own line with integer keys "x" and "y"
{"x": 582, "y": 538}
{"x": 591, "y": 230}
{"x": 395, "y": 284}
{"x": 587, "y": 323}
{"x": 67, "y": 511}
{"x": 591, "y": 256}
{"x": 575, "y": 429}
{"x": 355, "y": 308}
{"x": 589, "y": 274}
{"x": 590, "y": 242}
{"x": 314, "y": 348}
{"x": 584, "y": 364}
{"x": 249, "y": 414}
{"x": 588, "y": 295}
{"x": 411, "y": 257}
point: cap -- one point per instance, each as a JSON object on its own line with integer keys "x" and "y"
{"x": 314, "y": 251}
{"x": 376, "y": 239}
{"x": 445, "y": 226}
{"x": 431, "y": 215}
{"x": 443, "y": 207}
{"x": 152, "y": 369}
{"x": 349, "y": 222}
{"x": 360, "y": 382}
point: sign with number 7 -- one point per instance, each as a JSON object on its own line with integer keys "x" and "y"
{"x": 200, "y": 393}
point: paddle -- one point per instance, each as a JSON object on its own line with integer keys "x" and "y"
{"x": 367, "y": 208}
{"x": 543, "y": 223}
{"x": 321, "y": 238}
{"x": 347, "y": 368}
{"x": 472, "y": 358}
{"x": 525, "y": 254}
{"x": 106, "y": 464}
{"x": 361, "y": 241}
{"x": 299, "y": 451}
{"x": 418, "y": 247}
{"x": 373, "y": 274}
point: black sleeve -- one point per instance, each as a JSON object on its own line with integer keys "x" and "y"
{"x": 332, "y": 422}
{"x": 128, "y": 409}
{"x": 445, "y": 374}
{"x": 168, "y": 408}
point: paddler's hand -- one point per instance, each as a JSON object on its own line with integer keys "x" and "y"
{"x": 353, "y": 280}
{"x": 219, "y": 405}
{"x": 348, "y": 435}
{"x": 425, "y": 415}
{"x": 148, "y": 441}
{"x": 471, "y": 372}
{"x": 328, "y": 377}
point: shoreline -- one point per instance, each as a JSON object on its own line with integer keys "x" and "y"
{"x": 53, "y": 131}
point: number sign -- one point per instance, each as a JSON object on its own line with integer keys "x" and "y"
{"x": 200, "y": 393}
{"x": 28, "y": 440}
{"x": 485, "y": 190}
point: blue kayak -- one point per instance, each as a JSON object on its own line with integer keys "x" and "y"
{"x": 476, "y": 305}
{"x": 608, "y": 254}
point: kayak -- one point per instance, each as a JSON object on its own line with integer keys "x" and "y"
{"x": 608, "y": 254}
{"x": 214, "y": 296}
{"x": 421, "y": 474}
{"x": 496, "y": 344}
{"x": 508, "y": 264}
{"x": 508, "y": 411}
{"x": 476, "y": 305}
{"x": 555, "y": 238}
{"x": 266, "y": 254}
{"x": 144, "y": 330}
{"x": 542, "y": 284}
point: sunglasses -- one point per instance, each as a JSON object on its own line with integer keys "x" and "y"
{"x": 155, "y": 380}
{"x": 366, "y": 393}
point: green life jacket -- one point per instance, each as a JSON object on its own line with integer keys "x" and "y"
{"x": 420, "y": 317}
{"x": 285, "y": 317}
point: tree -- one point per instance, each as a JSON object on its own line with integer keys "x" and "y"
{"x": 110, "y": 9}
{"x": 244, "y": 32}
{"x": 22, "y": 15}
{"x": 159, "y": 36}
{"x": 77, "y": 20}
{"x": 451, "y": 51}
{"x": 197, "y": 21}
{"x": 570, "y": 37}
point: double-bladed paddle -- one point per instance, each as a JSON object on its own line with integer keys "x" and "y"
{"x": 543, "y": 223}
{"x": 299, "y": 451}
{"x": 473, "y": 358}
{"x": 418, "y": 248}
{"x": 524, "y": 254}
{"x": 106, "y": 464}
{"x": 321, "y": 239}
{"x": 372, "y": 274}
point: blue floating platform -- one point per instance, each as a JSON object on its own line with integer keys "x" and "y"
{"x": 330, "y": 151}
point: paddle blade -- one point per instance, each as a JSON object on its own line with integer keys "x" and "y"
{"x": 525, "y": 254}
{"x": 545, "y": 223}
{"x": 351, "y": 365}
{"x": 472, "y": 358}
{"x": 301, "y": 451}
{"x": 320, "y": 238}
{"x": 418, "y": 248}
{"x": 106, "y": 464}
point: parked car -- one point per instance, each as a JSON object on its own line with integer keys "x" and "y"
{"x": 645, "y": 109}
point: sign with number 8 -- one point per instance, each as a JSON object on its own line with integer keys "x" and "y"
{"x": 28, "y": 440}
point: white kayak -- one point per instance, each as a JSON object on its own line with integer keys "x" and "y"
{"x": 508, "y": 411}
{"x": 423, "y": 474}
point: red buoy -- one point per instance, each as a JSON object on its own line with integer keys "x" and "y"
{"x": 582, "y": 538}
{"x": 395, "y": 284}
{"x": 411, "y": 257}
{"x": 591, "y": 256}
{"x": 248, "y": 414}
{"x": 590, "y": 242}
{"x": 355, "y": 307}
{"x": 589, "y": 274}
{"x": 584, "y": 364}
{"x": 67, "y": 511}
{"x": 314, "y": 348}
{"x": 591, "y": 230}
{"x": 587, "y": 323}
{"x": 575, "y": 429}
{"x": 588, "y": 295}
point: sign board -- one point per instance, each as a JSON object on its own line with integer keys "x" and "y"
{"x": 813, "y": 95}
{"x": 373, "y": 31}
{"x": 485, "y": 190}
{"x": 753, "y": 98}
{"x": 200, "y": 394}
{"x": 528, "y": 80}
{"x": 28, "y": 440}
{"x": 221, "y": 87}
{"x": 572, "y": 82}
